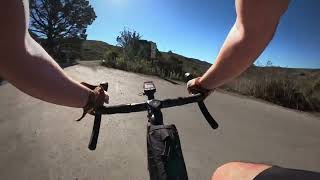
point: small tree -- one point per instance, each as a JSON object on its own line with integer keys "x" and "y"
{"x": 269, "y": 63}
{"x": 129, "y": 41}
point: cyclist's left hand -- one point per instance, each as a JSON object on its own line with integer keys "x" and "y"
{"x": 101, "y": 94}
{"x": 96, "y": 99}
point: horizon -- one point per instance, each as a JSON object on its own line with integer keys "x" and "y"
{"x": 173, "y": 28}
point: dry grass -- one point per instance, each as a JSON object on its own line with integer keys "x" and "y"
{"x": 292, "y": 88}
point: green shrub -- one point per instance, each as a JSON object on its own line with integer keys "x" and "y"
{"x": 121, "y": 64}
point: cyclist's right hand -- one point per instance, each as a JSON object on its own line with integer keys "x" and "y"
{"x": 194, "y": 87}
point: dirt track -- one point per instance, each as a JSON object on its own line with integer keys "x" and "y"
{"x": 42, "y": 141}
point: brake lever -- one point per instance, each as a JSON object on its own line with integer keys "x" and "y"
{"x": 207, "y": 115}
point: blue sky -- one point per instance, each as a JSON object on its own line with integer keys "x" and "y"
{"x": 198, "y": 28}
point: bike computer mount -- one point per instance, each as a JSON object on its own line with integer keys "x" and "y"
{"x": 154, "y": 106}
{"x": 149, "y": 89}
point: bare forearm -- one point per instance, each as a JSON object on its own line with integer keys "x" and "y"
{"x": 237, "y": 53}
{"x": 254, "y": 28}
{"x": 27, "y": 66}
{"x": 34, "y": 72}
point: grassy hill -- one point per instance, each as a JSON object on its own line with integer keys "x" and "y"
{"x": 96, "y": 50}
{"x": 293, "y": 88}
{"x": 189, "y": 64}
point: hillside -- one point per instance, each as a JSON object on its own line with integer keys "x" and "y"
{"x": 293, "y": 88}
{"x": 96, "y": 50}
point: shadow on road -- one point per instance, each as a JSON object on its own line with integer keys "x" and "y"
{"x": 170, "y": 81}
{"x": 65, "y": 65}
{"x": 2, "y": 82}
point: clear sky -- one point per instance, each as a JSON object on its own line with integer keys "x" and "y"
{"x": 198, "y": 28}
